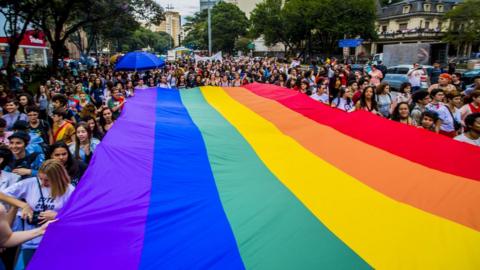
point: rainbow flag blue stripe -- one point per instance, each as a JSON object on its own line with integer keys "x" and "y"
{"x": 261, "y": 177}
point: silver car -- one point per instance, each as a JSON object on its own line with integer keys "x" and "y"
{"x": 397, "y": 75}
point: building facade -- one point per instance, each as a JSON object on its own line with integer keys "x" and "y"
{"x": 413, "y": 21}
{"x": 172, "y": 25}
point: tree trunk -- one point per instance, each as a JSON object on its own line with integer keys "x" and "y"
{"x": 57, "y": 48}
{"x": 13, "y": 48}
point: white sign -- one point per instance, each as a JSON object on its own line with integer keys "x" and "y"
{"x": 35, "y": 40}
{"x": 216, "y": 57}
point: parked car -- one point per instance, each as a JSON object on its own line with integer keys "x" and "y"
{"x": 470, "y": 75}
{"x": 356, "y": 67}
{"x": 397, "y": 75}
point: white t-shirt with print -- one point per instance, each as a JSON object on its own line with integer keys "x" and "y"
{"x": 7, "y": 179}
{"x": 343, "y": 104}
{"x": 29, "y": 191}
{"x": 322, "y": 98}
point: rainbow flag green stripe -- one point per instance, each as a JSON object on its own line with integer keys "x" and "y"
{"x": 253, "y": 198}
{"x": 261, "y": 177}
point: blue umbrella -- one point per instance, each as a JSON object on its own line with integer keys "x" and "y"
{"x": 138, "y": 61}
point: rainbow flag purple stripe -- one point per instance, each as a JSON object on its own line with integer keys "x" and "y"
{"x": 261, "y": 177}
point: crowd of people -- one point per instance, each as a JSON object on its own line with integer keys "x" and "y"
{"x": 48, "y": 135}
{"x": 447, "y": 106}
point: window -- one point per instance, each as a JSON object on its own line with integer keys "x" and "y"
{"x": 439, "y": 8}
{"x": 440, "y": 25}
{"x": 427, "y": 25}
{"x": 427, "y": 7}
{"x": 406, "y": 9}
{"x": 402, "y": 26}
{"x": 384, "y": 28}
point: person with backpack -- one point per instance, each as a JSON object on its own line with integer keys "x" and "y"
{"x": 35, "y": 144}
{"x": 23, "y": 163}
{"x": 39, "y": 126}
{"x": 344, "y": 100}
{"x": 38, "y": 199}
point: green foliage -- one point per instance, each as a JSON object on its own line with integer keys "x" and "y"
{"x": 464, "y": 23}
{"x": 144, "y": 38}
{"x": 60, "y": 19}
{"x": 196, "y": 27}
{"x": 268, "y": 21}
{"x": 307, "y": 24}
{"x": 242, "y": 44}
{"x": 228, "y": 24}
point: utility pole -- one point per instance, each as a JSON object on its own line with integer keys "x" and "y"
{"x": 209, "y": 28}
{"x": 169, "y": 27}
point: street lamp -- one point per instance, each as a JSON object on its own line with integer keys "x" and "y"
{"x": 209, "y": 28}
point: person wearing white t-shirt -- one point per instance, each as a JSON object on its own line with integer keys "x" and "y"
{"x": 472, "y": 135}
{"x": 344, "y": 100}
{"x": 141, "y": 85}
{"x": 43, "y": 197}
{"x": 164, "y": 83}
{"x": 415, "y": 77}
{"x": 6, "y": 178}
{"x": 321, "y": 94}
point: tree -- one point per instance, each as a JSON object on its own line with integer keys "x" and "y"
{"x": 242, "y": 44}
{"x": 228, "y": 24}
{"x": 59, "y": 19}
{"x": 144, "y": 38}
{"x": 308, "y": 25}
{"x": 18, "y": 16}
{"x": 464, "y": 25}
{"x": 268, "y": 22}
{"x": 196, "y": 28}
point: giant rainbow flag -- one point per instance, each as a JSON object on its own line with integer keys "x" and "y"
{"x": 264, "y": 178}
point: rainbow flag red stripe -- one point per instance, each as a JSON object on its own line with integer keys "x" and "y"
{"x": 262, "y": 177}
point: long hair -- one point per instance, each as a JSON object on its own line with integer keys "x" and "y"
{"x": 363, "y": 99}
{"x": 340, "y": 94}
{"x": 396, "y": 112}
{"x": 38, "y": 93}
{"x": 57, "y": 176}
{"x": 381, "y": 88}
{"x": 102, "y": 121}
{"x": 77, "y": 140}
{"x": 96, "y": 133}
{"x": 30, "y": 102}
{"x": 71, "y": 165}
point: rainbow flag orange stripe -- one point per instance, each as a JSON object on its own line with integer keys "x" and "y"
{"x": 261, "y": 177}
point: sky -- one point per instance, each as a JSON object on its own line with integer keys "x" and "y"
{"x": 185, "y": 7}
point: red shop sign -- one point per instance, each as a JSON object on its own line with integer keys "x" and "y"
{"x": 31, "y": 38}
